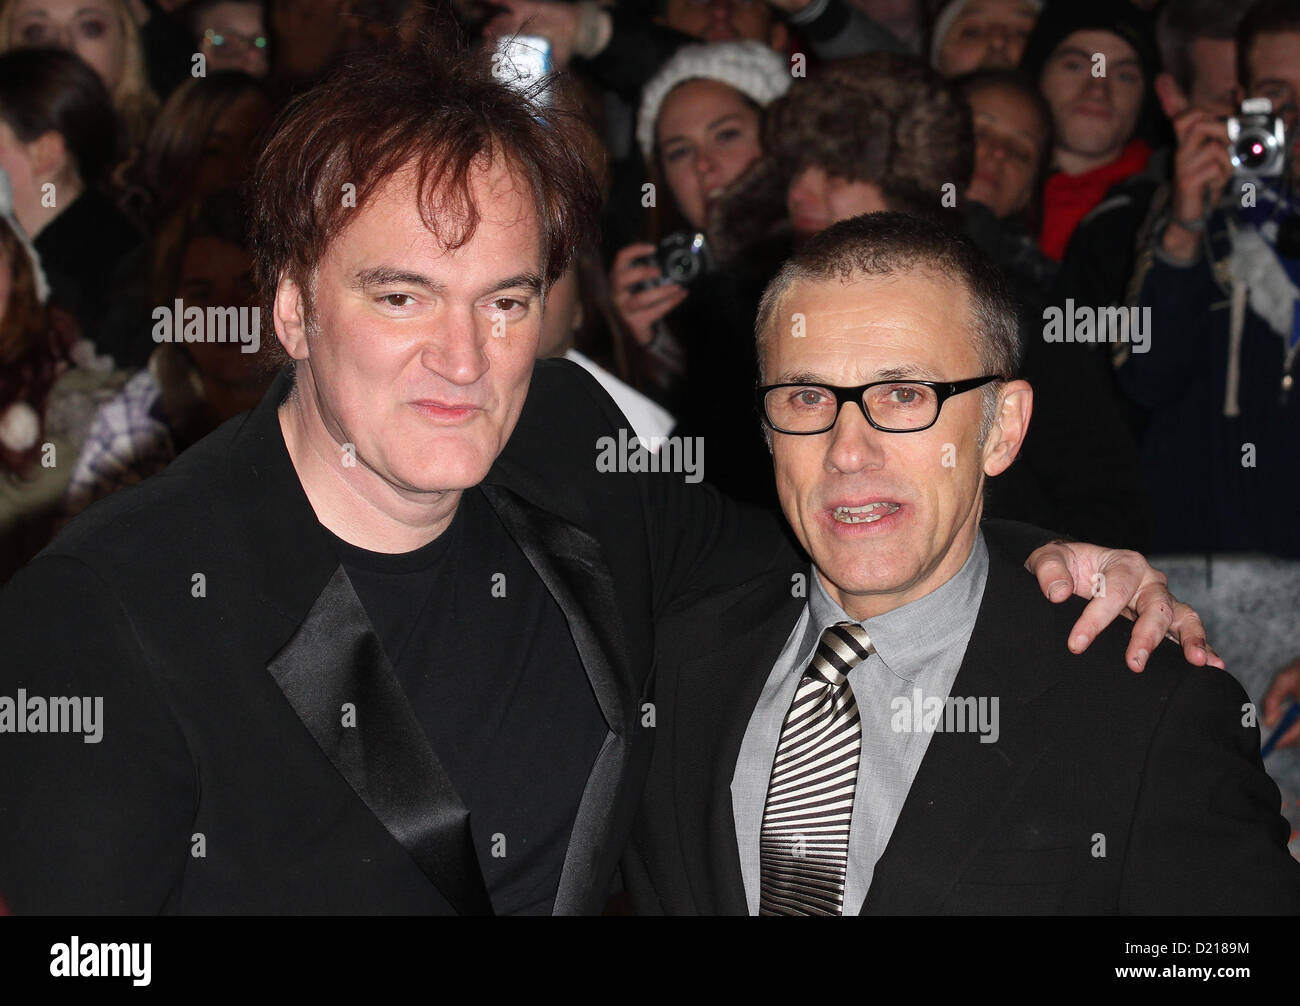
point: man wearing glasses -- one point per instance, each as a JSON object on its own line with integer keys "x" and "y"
{"x": 899, "y": 729}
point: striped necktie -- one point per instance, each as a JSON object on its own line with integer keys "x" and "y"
{"x": 804, "y": 848}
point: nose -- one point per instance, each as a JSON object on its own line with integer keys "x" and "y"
{"x": 808, "y": 190}
{"x": 706, "y": 163}
{"x": 455, "y": 348}
{"x": 855, "y": 444}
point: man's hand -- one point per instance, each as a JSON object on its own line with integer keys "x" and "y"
{"x": 1287, "y": 683}
{"x": 1202, "y": 170}
{"x": 1120, "y": 582}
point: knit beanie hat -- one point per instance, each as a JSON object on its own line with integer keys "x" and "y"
{"x": 752, "y": 68}
{"x": 1119, "y": 17}
{"x": 947, "y": 18}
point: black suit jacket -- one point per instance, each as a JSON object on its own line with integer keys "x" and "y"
{"x": 209, "y": 610}
{"x": 1107, "y": 791}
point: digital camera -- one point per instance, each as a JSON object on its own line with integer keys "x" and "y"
{"x": 1257, "y": 140}
{"x": 682, "y": 257}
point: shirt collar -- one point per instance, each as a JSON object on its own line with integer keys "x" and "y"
{"x": 911, "y": 636}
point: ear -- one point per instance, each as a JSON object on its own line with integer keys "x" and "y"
{"x": 1015, "y": 405}
{"x": 48, "y": 154}
{"x": 290, "y": 319}
{"x": 1172, "y": 99}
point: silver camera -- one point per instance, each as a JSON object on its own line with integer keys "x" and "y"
{"x": 1257, "y": 140}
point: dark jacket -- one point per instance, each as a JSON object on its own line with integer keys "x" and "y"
{"x": 1219, "y": 482}
{"x": 96, "y": 263}
{"x": 1106, "y": 792}
{"x": 221, "y": 704}
{"x": 1079, "y": 467}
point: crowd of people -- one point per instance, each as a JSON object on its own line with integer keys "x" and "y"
{"x": 1083, "y": 147}
{"x": 1123, "y": 170}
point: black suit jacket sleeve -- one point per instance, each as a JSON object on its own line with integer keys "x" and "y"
{"x": 100, "y": 827}
{"x": 698, "y": 540}
{"x": 1207, "y": 835}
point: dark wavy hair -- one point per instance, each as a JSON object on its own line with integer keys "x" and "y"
{"x": 882, "y": 118}
{"x": 44, "y": 90}
{"x": 180, "y": 134}
{"x": 417, "y": 105}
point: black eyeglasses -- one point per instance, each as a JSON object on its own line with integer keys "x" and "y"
{"x": 889, "y": 406}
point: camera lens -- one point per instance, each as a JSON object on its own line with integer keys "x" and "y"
{"x": 681, "y": 265}
{"x": 1251, "y": 150}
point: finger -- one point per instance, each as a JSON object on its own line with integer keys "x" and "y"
{"x": 635, "y": 274}
{"x": 1215, "y": 660}
{"x": 648, "y": 300}
{"x": 1098, "y": 614}
{"x": 1189, "y": 631}
{"x": 653, "y": 313}
{"x": 1050, "y": 565}
{"x": 1287, "y": 683}
{"x": 630, "y": 252}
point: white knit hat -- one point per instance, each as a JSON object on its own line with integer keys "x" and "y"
{"x": 944, "y": 22}
{"x": 7, "y": 211}
{"x": 752, "y": 68}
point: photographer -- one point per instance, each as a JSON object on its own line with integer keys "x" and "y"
{"x": 1220, "y": 277}
{"x": 699, "y": 129}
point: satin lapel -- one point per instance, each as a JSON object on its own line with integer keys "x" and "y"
{"x": 963, "y": 785}
{"x": 716, "y": 695}
{"x": 571, "y": 563}
{"x": 334, "y": 658}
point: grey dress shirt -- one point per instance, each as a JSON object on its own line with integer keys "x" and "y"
{"x": 919, "y": 649}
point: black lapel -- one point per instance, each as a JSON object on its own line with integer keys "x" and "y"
{"x": 716, "y": 695}
{"x": 962, "y": 785}
{"x": 571, "y": 563}
{"x": 322, "y": 652}
{"x": 335, "y": 659}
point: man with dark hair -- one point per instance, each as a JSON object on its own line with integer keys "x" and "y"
{"x": 1219, "y": 274}
{"x": 1094, "y": 63}
{"x": 1197, "y": 90}
{"x": 897, "y": 730}
{"x": 383, "y": 644}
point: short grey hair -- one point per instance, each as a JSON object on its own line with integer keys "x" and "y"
{"x": 884, "y": 244}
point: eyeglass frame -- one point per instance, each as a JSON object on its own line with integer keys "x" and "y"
{"x": 246, "y": 42}
{"x": 943, "y": 390}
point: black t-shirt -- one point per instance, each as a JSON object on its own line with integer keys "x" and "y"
{"x": 484, "y": 655}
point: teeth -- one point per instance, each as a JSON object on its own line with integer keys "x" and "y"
{"x": 864, "y": 514}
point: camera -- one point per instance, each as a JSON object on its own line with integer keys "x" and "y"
{"x": 682, "y": 257}
{"x": 1257, "y": 140}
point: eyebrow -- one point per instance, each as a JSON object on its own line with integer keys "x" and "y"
{"x": 388, "y": 275}
{"x": 888, "y": 374}
{"x": 712, "y": 125}
{"x": 1024, "y": 134}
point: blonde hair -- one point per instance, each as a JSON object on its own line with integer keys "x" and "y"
{"x": 133, "y": 98}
